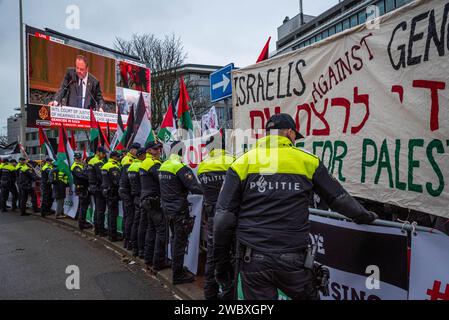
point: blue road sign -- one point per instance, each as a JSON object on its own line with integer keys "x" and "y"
{"x": 220, "y": 83}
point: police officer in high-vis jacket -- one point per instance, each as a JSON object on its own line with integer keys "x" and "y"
{"x": 211, "y": 173}
{"x": 125, "y": 195}
{"x": 265, "y": 203}
{"x": 26, "y": 177}
{"x": 8, "y": 184}
{"x": 110, "y": 184}
{"x": 46, "y": 187}
{"x": 81, "y": 182}
{"x": 137, "y": 240}
{"x": 176, "y": 180}
{"x": 155, "y": 239}
{"x": 95, "y": 181}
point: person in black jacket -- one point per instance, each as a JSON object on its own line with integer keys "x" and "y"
{"x": 95, "y": 180}
{"x": 264, "y": 203}
{"x": 176, "y": 180}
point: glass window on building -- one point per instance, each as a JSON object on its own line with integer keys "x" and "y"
{"x": 354, "y": 20}
{"x": 362, "y": 16}
{"x": 346, "y": 24}
{"x": 318, "y": 37}
{"x": 338, "y": 27}
{"x": 331, "y": 30}
{"x": 381, "y": 6}
{"x": 389, "y": 5}
{"x": 307, "y": 42}
{"x": 400, "y": 3}
{"x": 325, "y": 34}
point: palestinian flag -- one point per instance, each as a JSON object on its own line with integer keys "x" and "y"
{"x": 168, "y": 130}
{"x": 97, "y": 137}
{"x": 65, "y": 156}
{"x": 185, "y": 120}
{"x": 144, "y": 133}
{"x": 43, "y": 140}
{"x": 129, "y": 131}
{"x": 117, "y": 142}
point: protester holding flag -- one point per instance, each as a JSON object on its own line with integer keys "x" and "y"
{"x": 95, "y": 180}
{"x": 46, "y": 187}
{"x": 81, "y": 182}
{"x": 110, "y": 184}
{"x": 176, "y": 180}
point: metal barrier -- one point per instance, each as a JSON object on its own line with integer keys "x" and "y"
{"x": 407, "y": 226}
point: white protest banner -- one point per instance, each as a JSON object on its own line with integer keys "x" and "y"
{"x": 429, "y": 267}
{"x": 209, "y": 122}
{"x": 372, "y": 103}
{"x": 193, "y": 241}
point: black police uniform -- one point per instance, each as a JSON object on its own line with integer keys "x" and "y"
{"x": 110, "y": 184}
{"x": 46, "y": 189}
{"x": 127, "y": 201}
{"x": 176, "y": 180}
{"x": 95, "y": 181}
{"x": 26, "y": 177}
{"x": 8, "y": 184}
{"x": 81, "y": 181}
{"x": 155, "y": 239}
{"x": 138, "y": 227}
{"x": 211, "y": 173}
{"x": 266, "y": 205}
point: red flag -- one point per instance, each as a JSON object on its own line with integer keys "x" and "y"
{"x": 73, "y": 141}
{"x": 264, "y": 54}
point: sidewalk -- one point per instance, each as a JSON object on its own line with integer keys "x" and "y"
{"x": 189, "y": 291}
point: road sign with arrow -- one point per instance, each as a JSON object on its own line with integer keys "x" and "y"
{"x": 220, "y": 83}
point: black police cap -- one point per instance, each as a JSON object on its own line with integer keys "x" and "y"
{"x": 141, "y": 151}
{"x": 114, "y": 154}
{"x": 153, "y": 145}
{"x": 135, "y": 145}
{"x": 22, "y": 159}
{"x": 102, "y": 150}
{"x": 283, "y": 121}
{"x": 78, "y": 155}
{"x": 48, "y": 159}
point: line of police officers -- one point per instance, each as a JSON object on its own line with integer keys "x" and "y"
{"x": 256, "y": 208}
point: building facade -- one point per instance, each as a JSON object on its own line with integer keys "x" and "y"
{"x": 345, "y": 15}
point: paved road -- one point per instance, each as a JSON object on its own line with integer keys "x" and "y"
{"x": 34, "y": 255}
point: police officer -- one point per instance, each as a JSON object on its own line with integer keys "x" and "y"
{"x": 46, "y": 188}
{"x": 60, "y": 182}
{"x": 176, "y": 180}
{"x": 137, "y": 240}
{"x": 95, "y": 180}
{"x": 264, "y": 201}
{"x": 81, "y": 181}
{"x": 33, "y": 193}
{"x": 125, "y": 195}
{"x": 211, "y": 173}
{"x": 25, "y": 181}
{"x": 110, "y": 184}
{"x": 8, "y": 180}
{"x": 156, "y": 233}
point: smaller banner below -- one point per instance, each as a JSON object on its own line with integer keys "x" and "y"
{"x": 429, "y": 267}
{"x": 70, "y": 118}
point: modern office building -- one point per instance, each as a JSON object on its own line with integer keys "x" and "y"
{"x": 293, "y": 34}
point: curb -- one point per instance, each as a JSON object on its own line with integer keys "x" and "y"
{"x": 189, "y": 291}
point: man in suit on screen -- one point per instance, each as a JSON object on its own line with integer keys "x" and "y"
{"x": 80, "y": 88}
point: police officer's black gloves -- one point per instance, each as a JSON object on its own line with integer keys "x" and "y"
{"x": 366, "y": 218}
{"x": 225, "y": 278}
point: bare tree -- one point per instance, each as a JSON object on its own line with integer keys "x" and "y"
{"x": 164, "y": 57}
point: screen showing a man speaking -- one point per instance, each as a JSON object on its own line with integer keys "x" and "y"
{"x": 61, "y": 74}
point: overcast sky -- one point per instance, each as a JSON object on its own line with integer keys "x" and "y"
{"x": 213, "y": 32}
